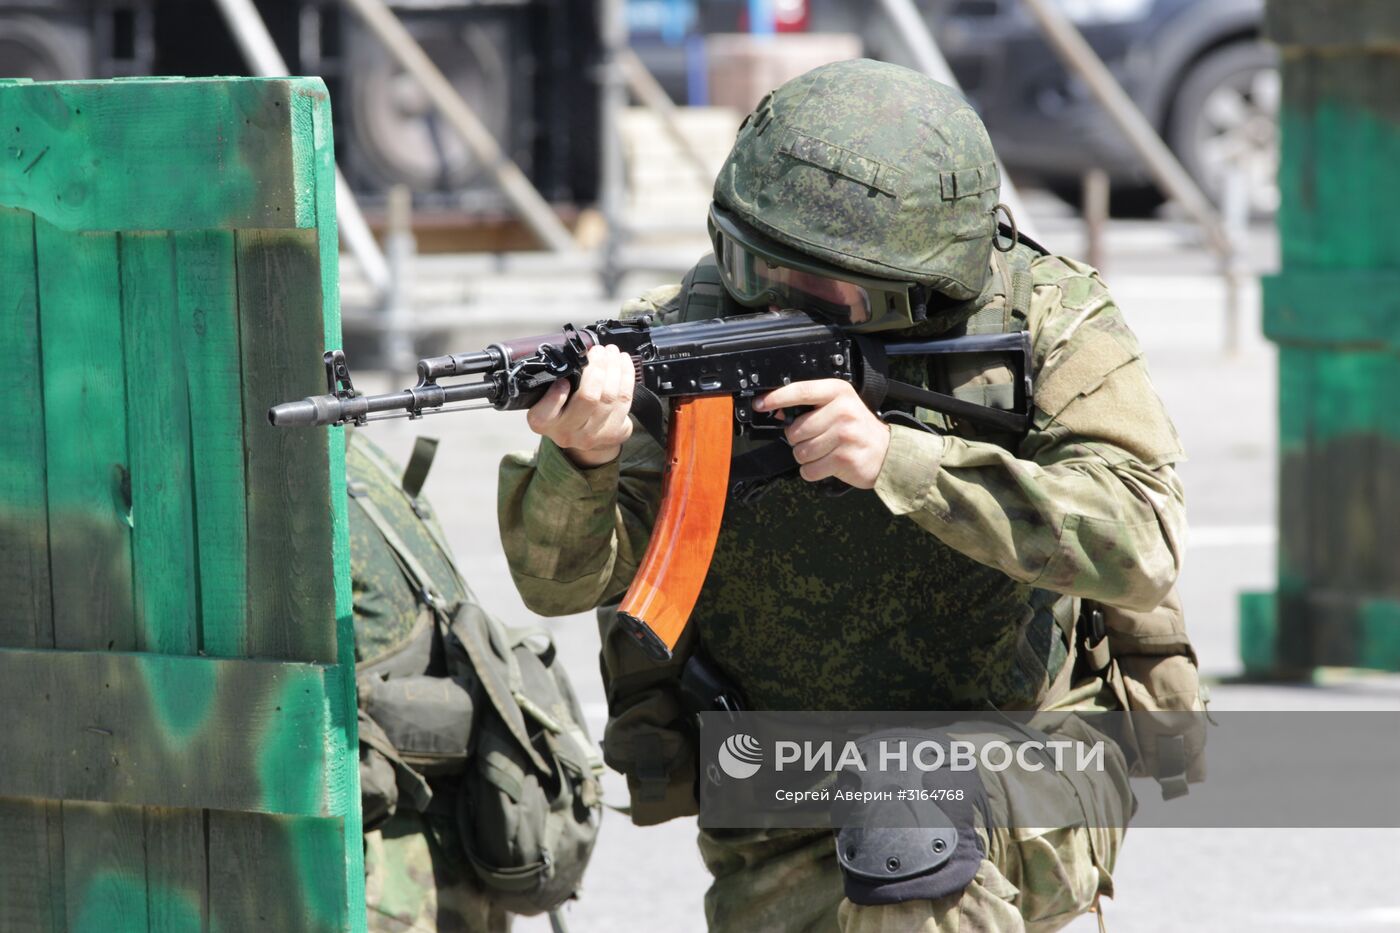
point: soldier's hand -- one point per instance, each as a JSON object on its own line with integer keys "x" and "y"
{"x": 590, "y": 424}
{"x": 839, "y": 437}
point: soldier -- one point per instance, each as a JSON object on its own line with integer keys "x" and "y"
{"x": 415, "y": 879}
{"x": 464, "y": 827}
{"x": 950, "y": 575}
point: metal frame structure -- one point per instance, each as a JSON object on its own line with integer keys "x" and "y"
{"x": 621, "y": 71}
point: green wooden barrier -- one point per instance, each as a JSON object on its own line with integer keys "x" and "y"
{"x": 176, "y": 659}
{"x": 1334, "y": 311}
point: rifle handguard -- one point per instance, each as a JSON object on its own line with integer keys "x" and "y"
{"x": 668, "y": 582}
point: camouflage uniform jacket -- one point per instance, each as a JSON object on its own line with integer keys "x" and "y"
{"x": 951, "y": 583}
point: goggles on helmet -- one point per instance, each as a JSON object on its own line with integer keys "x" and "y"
{"x": 758, "y": 273}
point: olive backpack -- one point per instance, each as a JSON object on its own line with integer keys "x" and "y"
{"x": 470, "y": 723}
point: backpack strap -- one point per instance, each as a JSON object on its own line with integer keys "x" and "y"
{"x": 424, "y": 450}
{"x": 412, "y": 569}
{"x": 419, "y": 463}
{"x": 410, "y": 783}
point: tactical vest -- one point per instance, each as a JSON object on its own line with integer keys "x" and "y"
{"x": 941, "y": 632}
{"x": 798, "y": 571}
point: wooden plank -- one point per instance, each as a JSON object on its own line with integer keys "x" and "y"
{"x": 33, "y": 895}
{"x": 158, "y": 435}
{"x": 206, "y": 282}
{"x": 105, "y": 868}
{"x": 26, "y": 617}
{"x": 85, "y": 438}
{"x": 162, "y": 730}
{"x": 329, "y": 244}
{"x": 176, "y": 871}
{"x": 163, "y": 546}
{"x": 89, "y": 544}
{"x": 198, "y": 154}
{"x": 277, "y": 873}
{"x": 291, "y": 575}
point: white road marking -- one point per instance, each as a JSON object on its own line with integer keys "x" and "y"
{"x": 1387, "y": 917}
{"x": 1231, "y": 536}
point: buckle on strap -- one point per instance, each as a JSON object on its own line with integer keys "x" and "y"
{"x": 1093, "y": 637}
{"x": 1171, "y": 766}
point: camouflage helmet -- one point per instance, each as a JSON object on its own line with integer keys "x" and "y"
{"x": 872, "y": 168}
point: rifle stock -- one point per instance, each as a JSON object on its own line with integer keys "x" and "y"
{"x": 668, "y": 582}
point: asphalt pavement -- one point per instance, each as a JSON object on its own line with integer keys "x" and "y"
{"x": 1233, "y": 880}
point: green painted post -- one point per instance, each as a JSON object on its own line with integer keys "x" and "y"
{"x": 176, "y": 654}
{"x": 1334, "y": 311}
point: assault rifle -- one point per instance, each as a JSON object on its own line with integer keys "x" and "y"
{"x": 711, "y": 371}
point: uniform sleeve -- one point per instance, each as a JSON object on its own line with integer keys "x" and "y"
{"x": 573, "y": 537}
{"x": 1089, "y": 504}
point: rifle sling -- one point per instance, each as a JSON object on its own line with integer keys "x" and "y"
{"x": 650, "y": 413}
{"x": 751, "y": 472}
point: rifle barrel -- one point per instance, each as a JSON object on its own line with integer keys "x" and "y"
{"x": 322, "y": 410}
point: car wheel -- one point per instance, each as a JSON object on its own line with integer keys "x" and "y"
{"x": 1225, "y": 121}
{"x": 396, "y": 132}
{"x": 42, "y": 48}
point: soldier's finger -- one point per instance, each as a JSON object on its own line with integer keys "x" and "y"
{"x": 594, "y": 376}
{"x": 605, "y": 427}
{"x": 812, "y": 423}
{"x": 545, "y": 412}
{"x": 578, "y": 410}
{"x": 626, "y": 378}
{"x": 810, "y": 451}
{"x": 810, "y": 392}
{"x": 820, "y": 469}
{"x": 619, "y": 426}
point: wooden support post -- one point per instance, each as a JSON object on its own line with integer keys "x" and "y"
{"x": 1080, "y": 58}
{"x": 1095, "y": 213}
{"x": 1334, "y": 312}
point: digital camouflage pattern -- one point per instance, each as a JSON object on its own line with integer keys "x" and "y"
{"x": 871, "y": 167}
{"x": 410, "y": 883}
{"x": 411, "y": 886}
{"x": 1087, "y": 505}
{"x": 842, "y": 603}
{"x": 386, "y": 609}
{"x": 1034, "y": 880}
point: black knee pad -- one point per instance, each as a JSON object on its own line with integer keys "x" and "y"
{"x": 922, "y": 843}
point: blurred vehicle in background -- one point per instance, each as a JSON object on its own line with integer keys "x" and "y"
{"x": 1198, "y": 70}
{"x": 525, "y": 66}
